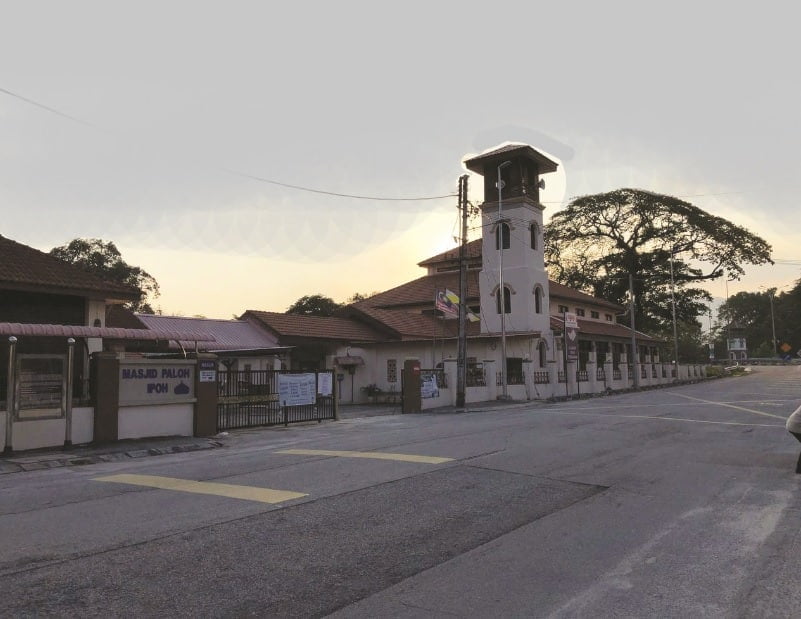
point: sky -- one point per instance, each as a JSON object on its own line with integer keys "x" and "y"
{"x": 157, "y": 125}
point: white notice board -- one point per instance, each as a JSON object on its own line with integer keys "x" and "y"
{"x": 297, "y": 389}
{"x": 325, "y": 383}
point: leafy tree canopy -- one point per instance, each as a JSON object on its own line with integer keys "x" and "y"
{"x": 314, "y": 305}
{"x": 360, "y": 296}
{"x": 598, "y": 240}
{"x": 751, "y": 315}
{"x": 102, "y": 258}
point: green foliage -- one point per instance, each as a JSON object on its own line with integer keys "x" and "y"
{"x": 359, "y": 296}
{"x": 598, "y": 240}
{"x": 314, "y": 305}
{"x": 750, "y": 314}
{"x": 103, "y": 259}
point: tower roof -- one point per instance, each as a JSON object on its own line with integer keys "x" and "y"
{"x": 496, "y": 156}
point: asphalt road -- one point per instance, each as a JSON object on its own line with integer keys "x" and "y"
{"x": 674, "y": 502}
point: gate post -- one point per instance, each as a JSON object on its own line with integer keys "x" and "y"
{"x": 68, "y": 394}
{"x": 12, "y": 346}
{"x": 105, "y": 377}
{"x": 206, "y": 394}
{"x": 411, "y": 386}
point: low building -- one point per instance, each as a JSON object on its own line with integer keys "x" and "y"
{"x": 369, "y": 341}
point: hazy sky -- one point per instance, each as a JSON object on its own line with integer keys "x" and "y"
{"x": 163, "y": 111}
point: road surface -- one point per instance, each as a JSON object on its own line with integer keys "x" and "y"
{"x": 672, "y": 502}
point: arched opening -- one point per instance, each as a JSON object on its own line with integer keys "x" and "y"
{"x": 507, "y": 300}
{"x": 503, "y": 236}
{"x": 534, "y": 231}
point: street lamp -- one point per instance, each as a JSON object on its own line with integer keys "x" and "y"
{"x": 501, "y": 288}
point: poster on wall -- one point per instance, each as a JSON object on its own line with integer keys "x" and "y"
{"x": 428, "y": 385}
{"x": 325, "y": 383}
{"x": 297, "y": 389}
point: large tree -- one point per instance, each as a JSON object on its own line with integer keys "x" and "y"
{"x": 597, "y": 241}
{"x": 102, "y": 258}
{"x": 314, "y": 305}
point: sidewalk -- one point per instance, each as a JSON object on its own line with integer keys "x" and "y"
{"x": 120, "y": 451}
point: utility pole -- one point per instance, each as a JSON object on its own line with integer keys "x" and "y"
{"x": 673, "y": 304}
{"x": 635, "y": 366}
{"x": 461, "y": 355}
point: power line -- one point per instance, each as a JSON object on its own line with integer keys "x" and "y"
{"x": 237, "y": 173}
{"x": 334, "y": 193}
{"x": 47, "y": 108}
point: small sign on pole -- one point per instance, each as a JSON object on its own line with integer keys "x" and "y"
{"x": 571, "y": 337}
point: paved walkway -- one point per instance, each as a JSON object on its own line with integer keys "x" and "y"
{"x": 41, "y": 459}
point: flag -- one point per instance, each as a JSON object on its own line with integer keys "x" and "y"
{"x": 452, "y": 299}
{"x": 445, "y": 305}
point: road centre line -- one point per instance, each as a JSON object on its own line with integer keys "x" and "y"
{"x": 739, "y": 408}
{"x": 667, "y": 405}
{"x": 374, "y": 455}
{"x": 246, "y": 493}
{"x": 655, "y": 417}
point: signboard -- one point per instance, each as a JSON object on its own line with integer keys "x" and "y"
{"x": 571, "y": 337}
{"x": 325, "y": 383}
{"x": 154, "y": 383}
{"x": 297, "y": 389}
{"x": 207, "y": 371}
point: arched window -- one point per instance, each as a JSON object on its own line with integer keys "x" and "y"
{"x": 538, "y": 300}
{"x": 534, "y": 229}
{"x": 507, "y": 300}
{"x": 502, "y": 235}
{"x": 542, "y": 349}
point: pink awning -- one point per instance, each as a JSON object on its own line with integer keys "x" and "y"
{"x": 19, "y": 329}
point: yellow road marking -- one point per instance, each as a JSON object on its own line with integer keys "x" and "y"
{"x": 375, "y": 455}
{"x": 739, "y": 408}
{"x": 247, "y": 493}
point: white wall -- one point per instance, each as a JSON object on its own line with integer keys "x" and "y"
{"x": 83, "y": 425}
{"x": 163, "y": 420}
{"x": 38, "y": 433}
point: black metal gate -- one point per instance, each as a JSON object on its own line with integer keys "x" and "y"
{"x": 249, "y": 398}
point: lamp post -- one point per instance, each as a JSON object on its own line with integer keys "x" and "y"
{"x": 501, "y": 287}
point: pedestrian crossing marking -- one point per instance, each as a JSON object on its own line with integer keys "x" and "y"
{"x": 246, "y": 493}
{"x": 375, "y": 455}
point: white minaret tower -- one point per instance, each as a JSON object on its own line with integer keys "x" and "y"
{"x": 512, "y": 243}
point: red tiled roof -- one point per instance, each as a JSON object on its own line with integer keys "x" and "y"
{"x": 561, "y": 291}
{"x": 556, "y": 289}
{"x": 472, "y": 251}
{"x": 316, "y": 327}
{"x": 26, "y": 268}
{"x": 120, "y": 317}
{"x": 608, "y": 329}
{"x": 421, "y": 291}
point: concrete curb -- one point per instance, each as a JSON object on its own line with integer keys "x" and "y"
{"x": 50, "y": 460}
